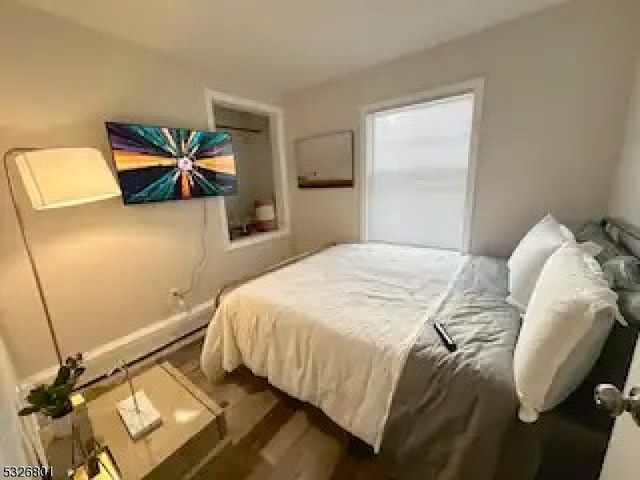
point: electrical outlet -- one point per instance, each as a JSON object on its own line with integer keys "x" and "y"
{"x": 178, "y": 296}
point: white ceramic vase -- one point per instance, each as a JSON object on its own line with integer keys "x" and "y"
{"x": 62, "y": 427}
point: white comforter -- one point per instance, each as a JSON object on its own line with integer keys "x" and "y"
{"x": 334, "y": 329}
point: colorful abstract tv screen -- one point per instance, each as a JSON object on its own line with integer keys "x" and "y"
{"x": 157, "y": 164}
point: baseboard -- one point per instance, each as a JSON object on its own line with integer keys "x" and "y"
{"x": 129, "y": 348}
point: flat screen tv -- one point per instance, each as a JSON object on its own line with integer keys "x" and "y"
{"x": 156, "y": 164}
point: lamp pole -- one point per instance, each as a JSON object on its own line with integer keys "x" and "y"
{"x": 34, "y": 269}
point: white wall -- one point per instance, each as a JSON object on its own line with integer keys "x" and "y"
{"x": 625, "y": 197}
{"x": 557, "y": 85}
{"x": 107, "y": 268}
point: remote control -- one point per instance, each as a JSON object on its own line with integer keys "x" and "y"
{"x": 444, "y": 336}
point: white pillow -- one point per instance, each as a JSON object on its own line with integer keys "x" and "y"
{"x": 570, "y": 315}
{"x": 528, "y": 258}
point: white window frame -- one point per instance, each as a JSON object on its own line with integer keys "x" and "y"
{"x": 276, "y": 127}
{"x": 474, "y": 86}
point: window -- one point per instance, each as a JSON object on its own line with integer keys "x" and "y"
{"x": 258, "y": 211}
{"x": 418, "y": 180}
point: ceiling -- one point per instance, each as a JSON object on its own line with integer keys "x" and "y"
{"x": 287, "y": 44}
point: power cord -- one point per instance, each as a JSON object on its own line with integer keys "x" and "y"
{"x": 199, "y": 267}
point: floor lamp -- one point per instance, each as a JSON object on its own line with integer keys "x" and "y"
{"x": 57, "y": 178}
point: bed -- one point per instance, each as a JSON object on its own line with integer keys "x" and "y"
{"x": 350, "y": 330}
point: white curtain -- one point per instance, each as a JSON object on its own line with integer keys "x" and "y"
{"x": 417, "y": 178}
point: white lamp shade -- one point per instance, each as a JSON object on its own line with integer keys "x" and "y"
{"x": 63, "y": 177}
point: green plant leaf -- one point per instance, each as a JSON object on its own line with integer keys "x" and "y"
{"x": 28, "y": 410}
{"x": 38, "y": 396}
{"x": 61, "y": 392}
{"x": 63, "y": 375}
{"x": 54, "y": 400}
{"x": 60, "y": 410}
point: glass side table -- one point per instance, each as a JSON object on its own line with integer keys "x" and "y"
{"x": 192, "y": 426}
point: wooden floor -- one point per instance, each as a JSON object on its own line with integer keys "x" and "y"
{"x": 273, "y": 436}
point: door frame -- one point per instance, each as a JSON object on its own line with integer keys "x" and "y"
{"x": 474, "y": 86}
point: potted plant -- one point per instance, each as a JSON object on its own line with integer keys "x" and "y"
{"x": 54, "y": 401}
